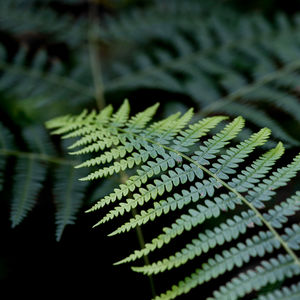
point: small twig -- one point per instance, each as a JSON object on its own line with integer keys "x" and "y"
{"x": 38, "y": 156}
{"x": 141, "y": 240}
{"x": 94, "y": 57}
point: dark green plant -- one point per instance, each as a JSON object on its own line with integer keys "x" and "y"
{"x": 218, "y": 59}
{"x": 177, "y": 165}
{"x": 224, "y": 62}
{"x": 33, "y": 167}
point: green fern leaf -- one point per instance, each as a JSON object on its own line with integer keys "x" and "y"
{"x": 268, "y": 272}
{"x": 177, "y": 165}
{"x": 68, "y": 195}
{"x": 20, "y": 17}
{"x": 276, "y": 216}
{"x": 289, "y": 293}
{"x": 216, "y": 45}
{"x": 30, "y": 175}
{"x": 36, "y": 80}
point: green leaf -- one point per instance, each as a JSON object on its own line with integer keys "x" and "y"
{"x": 68, "y": 193}
{"x": 30, "y": 175}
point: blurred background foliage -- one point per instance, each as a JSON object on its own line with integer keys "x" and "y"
{"x": 60, "y": 56}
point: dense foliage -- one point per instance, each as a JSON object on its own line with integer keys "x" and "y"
{"x": 216, "y": 68}
{"x": 171, "y": 166}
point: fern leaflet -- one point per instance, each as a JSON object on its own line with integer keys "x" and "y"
{"x": 176, "y": 166}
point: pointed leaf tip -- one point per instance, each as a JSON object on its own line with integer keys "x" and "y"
{"x": 112, "y": 233}
{"x": 95, "y": 225}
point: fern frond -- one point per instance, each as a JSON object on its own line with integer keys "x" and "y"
{"x": 35, "y": 78}
{"x": 227, "y": 163}
{"x": 258, "y": 245}
{"x": 140, "y": 25}
{"x": 38, "y": 140}
{"x": 219, "y": 236}
{"x": 18, "y": 17}
{"x": 209, "y": 239}
{"x": 212, "y": 146}
{"x": 229, "y": 48}
{"x": 269, "y": 271}
{"x": 258, "y": 117}
{"x": 29, "y": 177}
{"x": 287, "y": 102}
{"x": 202, "y": 212}
{"x": 278, "y": 215}
{"x": 68, "y": 195}
{"x": 289, "y": 293}
{"x": 244, "y": 181}
{"x": 30, "y": 172}
{"x": 186, "y": 166}
{"x": 187, "y": 138}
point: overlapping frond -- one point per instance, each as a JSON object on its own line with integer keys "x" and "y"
{"x": 141, "y": 25}
{"x": 225, "y": 63}
{"x": 289, "y": 293}
{"x": 29, "y": 178}
{"x": 68, "y": 196}
{"x": 31, "y": 168}
{"x": 37, "y": 78}
{"x": 269, "y": 271}
{"x": 176, "y": 165}
{"x": 21, "y": 17}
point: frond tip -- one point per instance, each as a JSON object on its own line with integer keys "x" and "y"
{"x": 176, "y": 165}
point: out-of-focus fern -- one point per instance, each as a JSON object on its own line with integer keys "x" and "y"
{"x": 223, "y": 62}
{"x": 43, "y": 82}
{"x": 178, "y": 166}
{"x": 32, "y": 163}
{"x": 19, "y": 17}
{"x": 158, "y": 21}
{"x": 226, "y": 63}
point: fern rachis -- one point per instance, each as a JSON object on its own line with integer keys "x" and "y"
{"x": 153, "y": 152}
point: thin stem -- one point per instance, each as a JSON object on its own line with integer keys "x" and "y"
{"x": 38, "y": 156}
{"x": 99, "y": 95}
{"x": 141, "y": 239}
{"x": 94, "y": 58}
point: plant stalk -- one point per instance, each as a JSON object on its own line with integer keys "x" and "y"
{"x": 95, "y": 62}
{"x": 141, "y": 240}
